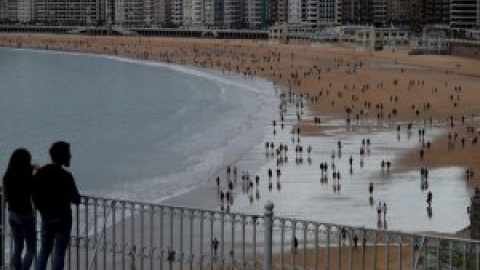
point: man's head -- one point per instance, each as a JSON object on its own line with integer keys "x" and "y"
{"x": 60, "y": 153}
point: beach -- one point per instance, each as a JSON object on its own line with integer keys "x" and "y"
{"x": 331, "y": 94}
{"x": 372, "y": 90}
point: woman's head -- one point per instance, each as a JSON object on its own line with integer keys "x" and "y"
{"x": 20, "y": 161}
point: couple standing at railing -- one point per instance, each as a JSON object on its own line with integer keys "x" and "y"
{"x": 51, "y": 189}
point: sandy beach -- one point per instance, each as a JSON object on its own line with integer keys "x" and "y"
{"x": 343, "y": 83}
{"x": 363, "y": 91}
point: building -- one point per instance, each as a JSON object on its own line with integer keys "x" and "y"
{"x": 355, "y": 11}
{"x": 296, "y": 12}
{"x": 162, "y": 16}
{"x": 68, "y": 12}
{"x": 233, "y": 13}
{"x": 176, "y": 9}
{"x": 193, "y": 13}
{"x": 464, "y": 13}
{"x": 278, "y": 11}
{"x": 321, "y": 13}
{"x": 378, "y": 13}
{"x": 398, "y": 12}
{"x": 255, "y": 16}
{"x": 21, "y": 11}
{"x": 437, "y": 12}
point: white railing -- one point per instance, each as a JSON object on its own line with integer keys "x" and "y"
{"x": 127, "y": 235}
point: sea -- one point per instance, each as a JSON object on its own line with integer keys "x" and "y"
{"x": 138, "y": 130}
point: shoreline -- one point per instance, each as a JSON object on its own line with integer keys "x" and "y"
{"x": 339, "y": 71}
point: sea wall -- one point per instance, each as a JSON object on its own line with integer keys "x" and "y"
{"x": 465, "y": 49}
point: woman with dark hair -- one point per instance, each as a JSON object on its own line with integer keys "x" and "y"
{"x": 17, "y": 182}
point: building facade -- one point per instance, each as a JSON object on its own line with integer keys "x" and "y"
{"x": 464, "y": 13}
{"x": 233, "y": 14}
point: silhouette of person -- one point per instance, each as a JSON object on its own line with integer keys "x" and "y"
{"x": 54, "y": 191}
{"x": 18, "y": 185}
{"x": 215, "y": 246}
{"x": 295, "y": 244}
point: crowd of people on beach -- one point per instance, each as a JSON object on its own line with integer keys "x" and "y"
{"x": 360, "y": 90}
{"x": 50, "y": 190}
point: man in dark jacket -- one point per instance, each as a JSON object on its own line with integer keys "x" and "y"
{"x": 54, "y": 191}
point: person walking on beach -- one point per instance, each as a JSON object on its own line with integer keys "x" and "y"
{"x": 215, "y": 246}
{"x": 429, "y": 198}
{"x": 379, "y": 210}
{"x": 295, "y": 244}
{"x": 54, "y": 191}
{"x": 17, "y": 183}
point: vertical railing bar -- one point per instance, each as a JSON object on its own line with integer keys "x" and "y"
{"x": 477, "y": 263}
{"x": 212, "y": 217}
{"x": 161, "y": 246}
{"x": 282, "y": 244}
{"x": 412, "y": 260}
{"x": 232, "y": 252}
{"x": 465, "y": 255}
{"x": 293, "y": 249}
{"x": 243, "y": 241}
{"x": 152, "y": 235}
{"x": 387, "y": 250}
{"x": 400, "y": 245}
{"x": 450, "y": 254}
{"x": 182, "y": 212}
{"x": 142, "y": 236}
{"x": 327, "y": 248}
{"x": 133, "y": 249}
{"x": 172, "y": 212}
{"x": 426, "y": 251}
{"x": 351, "y": 259}
{"x": 201, "y": 238}
{"x": 254, "y": 242}
{"x": 192, "y": 216}
{"x": 222, "y": 239}
{"x": 305, "y": 228}
{"x": 315, "y": 262}
{"x": 87, "y": 238}
{"x": 105, "y": 244}
{"x": 95, "y": 230}
{"x": 374, "y": 251}
{"x": 438, "y": 254}
{"x": 363, "y": 248}
{"x": 114, "y": 236}
{"x": 339, "y": 249}
{"x": 123, "y": 235}
{"x": 77, "y": 239}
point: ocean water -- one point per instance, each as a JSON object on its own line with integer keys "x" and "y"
{"x": 138, "y": 130}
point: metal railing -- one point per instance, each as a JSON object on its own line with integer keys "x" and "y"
{"x": 127, "y": 235}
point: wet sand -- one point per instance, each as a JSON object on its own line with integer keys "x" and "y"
{"x": 385, "y": 89}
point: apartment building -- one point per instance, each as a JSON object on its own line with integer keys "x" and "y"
{"x": 398, "y": 12}
{"x": 254, "y": 13}
{"x": 464, "y": 13}
{"x": 233, "y": 13}
{"x": 193, "y": 13}
{"x": 162, "y": 16}
{"x": 355, "y": 11}
{"x": 67, "y": 12}
{"x": 176, "y": 8}
{"x": 278, "y": 11}
{"x": 378, "y": 13}
{"x": 321, "y": 13}
{"x": 296, "y": 11}
{"x": 437, "y": 12}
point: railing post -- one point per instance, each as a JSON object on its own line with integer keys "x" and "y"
{"x": 268, "y": 217}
